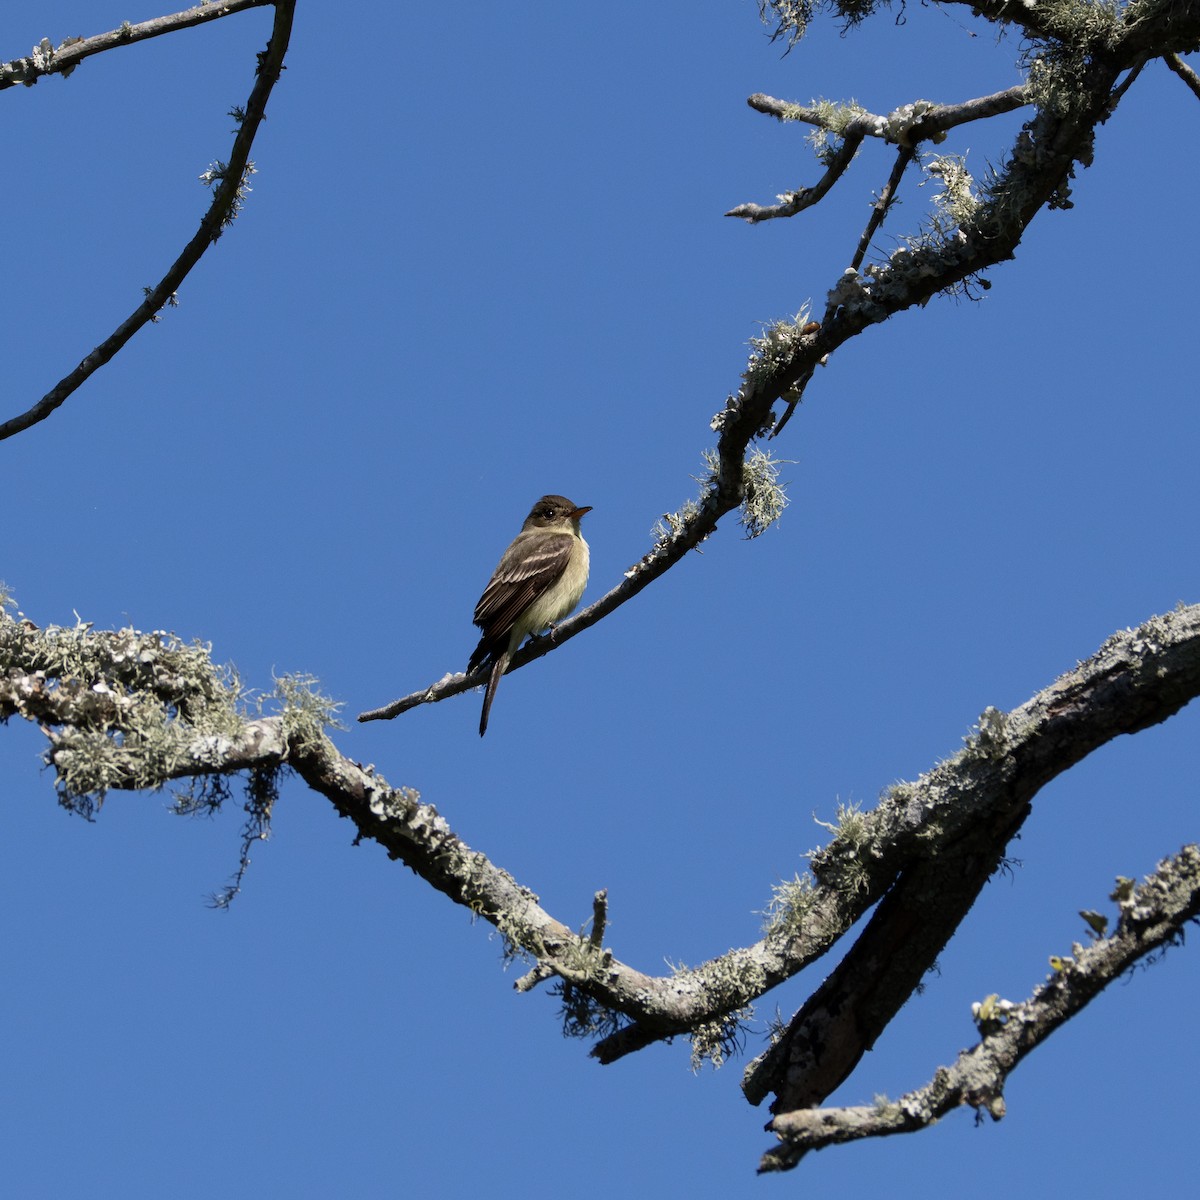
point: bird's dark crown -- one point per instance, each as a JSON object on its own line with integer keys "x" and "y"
{"x": 550, "y": 509}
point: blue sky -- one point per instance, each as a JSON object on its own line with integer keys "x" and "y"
{"x": 483, "y": 259}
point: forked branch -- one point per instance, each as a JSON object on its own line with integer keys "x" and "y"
{"x": 127, "y": 711}
{"x": 230, "y": 180}
{"x": 1151, "y": 916}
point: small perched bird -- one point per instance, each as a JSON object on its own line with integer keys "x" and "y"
{"x": 538, "y": 581}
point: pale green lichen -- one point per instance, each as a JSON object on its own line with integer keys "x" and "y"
{"x": 306, "y": 712}
{"x": 898, "y": 125}
{"x": 775, "y": 348}
{"x": 957, "y": 202}
{"x": 833, "y": 117}
{"x": 763, "y": 497}
{"x": 989, "y": 738}
{"x": 791, "y": 900}
{"x": 143, "y": 707}
{"x": 717, "y": 1041}
{"x": 1058, "y": 67}
{"x": 216, "y": 176}
{"x": 582, "y": 1015}
{"x": 951, "y": 223}
{"x": 139, "y": 711}
{"x": 849, "y": 826}
{"x": 262, "y": 791}
{"x": 670, "y": 525}
{"x": 791, "y": 18}
{"x": 772, "y": 355}
{"x": 725, "y": 983}
{"x": 843, "y": 862}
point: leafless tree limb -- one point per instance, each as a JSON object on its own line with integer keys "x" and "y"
{"x": 130, "y": 711}
{"x": 1151, "y": 916}
{"x": 46, "y": 59}
{"x": 911, "y": 123}
{"x": 230, "y": 180}
{"x": 879, "y": 209}
{"x": 125, "y": 711}
{"x": 1036, "y": 175}
{"x": 668, "y": 551}
{"x": 984, "y": 804}
{"x": 926, "y": 851}
{"x": 792, "y": 203}
{"x": 1184, "y": 72}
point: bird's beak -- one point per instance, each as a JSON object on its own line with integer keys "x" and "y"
{"x": 577, "y": 513}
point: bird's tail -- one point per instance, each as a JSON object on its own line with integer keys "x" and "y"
{"x": 499, "y": 666}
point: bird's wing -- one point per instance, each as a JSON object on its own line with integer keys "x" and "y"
{"x": 528, "y": 568}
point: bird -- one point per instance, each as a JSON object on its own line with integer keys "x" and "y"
{"x": 538, "y": 580}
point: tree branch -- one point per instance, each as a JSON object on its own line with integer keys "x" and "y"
{"x": 907, "y": 127}
{"x": 920, "y": 120}
{"x": 136, "y": 711}
{"x": 982, "y": 796}
{"x": 1098, "y": 45}
{"x": 1037, "y": 174}
{"x": 1184, "y": 72}
{"x": 879, "y": 209}
{"x": 792, "y": 203}
{"x": 129, "y": 711}
{"x": 46, "y": 59}
{"x": 669, "y": 549}
{"x": 1151, "y": 917}
{"x": 227, "y": 198}
{"x": 926, "y": 851}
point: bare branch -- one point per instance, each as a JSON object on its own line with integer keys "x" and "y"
{"x": 661, "y": 558}
{"x": 1151, "y": 917}
{"x": 907, "y": 127}
{"x": 1037, "y": 174}
{"x": 129, "y": 711}
{"x": 124, "y": 712}
{"x": 793, "y": 202}
{"x": 925, "y": 852}
{"x": 231, "y": 184}
{"x": 46, "y": 59}
{"x": 983, "y": 794}
{"x": 1184, "y": 72}
{"x": 879, "y": 209}
{"x": 921, "y": 120}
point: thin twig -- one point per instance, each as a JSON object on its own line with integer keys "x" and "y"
{"x": 748, "y": 413}
{"x": 879, "y": 209}
{"x": 802, "y": 198}
{"x": 654, "y": 564}
{"x": 63, "y": 59}
{"x": 223, "y": 207}
{"x": 1127, "y": 82}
